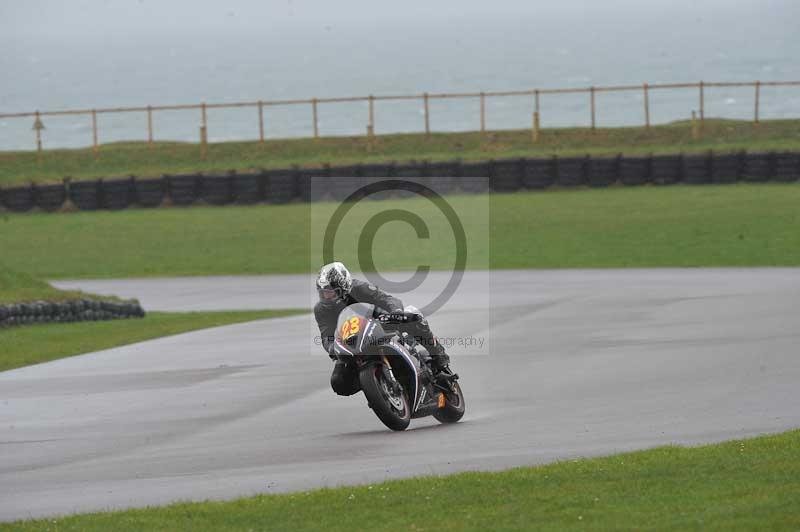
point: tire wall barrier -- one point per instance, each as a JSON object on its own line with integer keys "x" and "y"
{"x": 67, "y": 311}
{"x": 119, "y": 193}
{"x": 505, "y": 175}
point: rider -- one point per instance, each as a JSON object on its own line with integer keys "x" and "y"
{"x": 337, "y": 289}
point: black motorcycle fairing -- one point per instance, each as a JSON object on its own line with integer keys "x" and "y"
{"x": 370, "y": 338}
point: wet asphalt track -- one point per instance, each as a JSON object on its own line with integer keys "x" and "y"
{"x": 577, "y": 363}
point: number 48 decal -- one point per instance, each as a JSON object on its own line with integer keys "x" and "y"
{"x": 351, "y": 327}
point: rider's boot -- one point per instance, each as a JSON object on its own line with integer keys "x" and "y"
{"x": 440, "y": 361}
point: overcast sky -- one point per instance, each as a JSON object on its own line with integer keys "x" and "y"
{"x": 79, "y": 19}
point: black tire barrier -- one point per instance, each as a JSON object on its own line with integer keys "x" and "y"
{"x": 697, "y": 168}
{"x": 216, "y": 189}
{"x": 67, "y": 311}
{"x": 380, "y": 195}
{"x": 415, "y": 172}
{"x": 343, "y": 178}
{"x": 635, "y": 171}
{"x": 247, "y": 188}
{"x": 444, "y": 183}
{"x": 444, "y": 169}
{"x": 666, "y": 169}
{"x": 412, "y": 169}
{"x": 757, "y": 167}
{"x": 787, "y": 167}
{"x": 377, "y": 170}
{"x": 340, "y": 187}
{"x": 150, "y": 192}
{"x": 602, "y": 171}
{"x": 726, "y": 168}
{"x": 571, "y": 171}
{"x": 50, "y": 197}
{"x": 309, "y": 183}
{"x": 539, "y": 173}
{"x": 86, "y": 195}
{"x": 439, "y": 176}
{"x": 345, "y": 171}
{"x": 280, "y": 186}
{"x": 474, "y": 178}
{"x": 505, "y": 175}
{"x": 118, "y": 193}
{"x": 19, "y": 199}
{"x": 183, "y": 189}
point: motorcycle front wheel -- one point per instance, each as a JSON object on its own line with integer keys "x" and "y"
{"x": 390, "y": 405}
{"x": 453, "y": 409}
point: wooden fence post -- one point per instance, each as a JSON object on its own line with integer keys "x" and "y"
{"x": 758, "y": 97}
{"x": 38, "y": 126}
{"x": 536, "y": 108}
{"x": 646, "y": 106}
{"x": 371, "y": 124}
{"x": 483, "y": 112}
{"x": 314, "y": 113}
{"x": 535, "y": 131}
{"x": 260, "y": 121}
{"x": 94, "y": 131}
{"x": 203, "y": 132}
{"x": 591, "y": 93}
{"x": 427, "y": 114}
{"x": 702, "y": 106}
{"x": 149, "y": 126}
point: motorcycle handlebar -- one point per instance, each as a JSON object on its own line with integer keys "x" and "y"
{"x": 399, "y": 317}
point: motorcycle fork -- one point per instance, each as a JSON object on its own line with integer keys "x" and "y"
{"x": 387, "y": 370}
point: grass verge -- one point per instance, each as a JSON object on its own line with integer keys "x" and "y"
{"x": 137, "y": 158}
{"x": 16, "y": 287}
{"x": 22, "y": 346}
{"x": 676, "y": 226}
{"x": 738, "y": 485}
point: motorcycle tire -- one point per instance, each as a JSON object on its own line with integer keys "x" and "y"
{"x": 454, "y": 407}
{"x": 393, "y": 410}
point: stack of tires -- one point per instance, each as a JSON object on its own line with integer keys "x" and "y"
{"x": 67, "y": 311}
{"x": 472, "y": 177}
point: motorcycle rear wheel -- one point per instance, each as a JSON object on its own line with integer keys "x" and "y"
{"x": 391, "y": 408}
{"x": 454, "y": 407}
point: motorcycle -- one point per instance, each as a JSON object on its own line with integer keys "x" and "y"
{"x": 394, "y": 370}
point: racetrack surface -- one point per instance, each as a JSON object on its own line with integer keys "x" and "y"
{"x": 575, "y": 363}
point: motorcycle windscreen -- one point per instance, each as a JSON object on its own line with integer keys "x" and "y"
{"x": 352, "y": 324}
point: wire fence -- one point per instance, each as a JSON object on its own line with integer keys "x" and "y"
{"x": 260, "y": 107}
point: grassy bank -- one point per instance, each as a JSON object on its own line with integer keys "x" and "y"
{"x": 736, "y": 225}
{"x": 22, "y": 346}
{"x": 122, "y": 159}
{"x": 17, "y": 287}
{"x": 738, "y": 485}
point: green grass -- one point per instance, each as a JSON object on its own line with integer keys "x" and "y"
{"x": 125, "y": 158}
{"x": 736, "y": 225}
{"x": 33, "y": 344}
{"x": 16, "y": 287}
{"x": 738, "y": 485}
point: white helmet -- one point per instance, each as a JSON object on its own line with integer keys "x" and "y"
{"x": 334, "y": 282}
